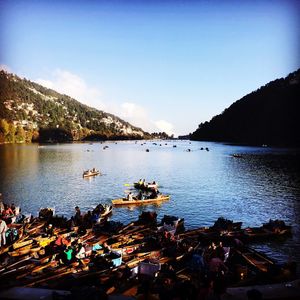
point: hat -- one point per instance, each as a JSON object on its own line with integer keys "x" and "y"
{"x": 50, "y": 225}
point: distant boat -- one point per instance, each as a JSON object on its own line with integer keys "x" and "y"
{"x": 89, "y": 173}
{"x": 125, "y": 201}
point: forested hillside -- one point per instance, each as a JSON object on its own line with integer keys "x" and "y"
{"x": 29, "y": 111}
{"x": 269, "y": 115}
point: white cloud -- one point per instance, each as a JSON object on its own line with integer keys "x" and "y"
{"x": 134, "y": 114}
{"x": 165, "y": 126}
{"x": 72, "y": 85}
{"x": 138, "y": 116}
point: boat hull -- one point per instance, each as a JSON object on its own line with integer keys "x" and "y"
{"x": 91, "y": 174}
{"x": 124, "y": 201}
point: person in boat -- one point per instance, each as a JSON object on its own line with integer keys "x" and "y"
{"x": 144, "y": 184}
{"x": 1, "y": 207}
{"x": 95, "y": 217}
{"x": 49, "y": 230}
{"x": 68, "y": 255}
{"x": 130, "y": 196}
{"x": 3, "y": 229}
{"x": 99, "y": 209}
{"x": 80, "y": 251}
{"x": 216, "y": 266}
{"x": 140, "y": 195}
{"x": 7, "y": 212}
{"x": 153, "y": 194}
{"x": 61, "y": 243}
{"x": 140, "y": 182}
{"x": 87, "y": 219}
{"x": 77, "y": 217}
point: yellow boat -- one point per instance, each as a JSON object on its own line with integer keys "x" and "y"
{"x": 125, "y": 201}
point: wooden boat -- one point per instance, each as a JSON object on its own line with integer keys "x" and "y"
{"x": 4, "y": 249}
{"x": 256, "y": 259}
{"x": 44, "y": 241}
{"x": 125, "y": 201}
{"x": 22, "y": 243}
{"x": 20, "y": 252}
{"x": 257, "y": 233}
{"x": 90, "y": 173}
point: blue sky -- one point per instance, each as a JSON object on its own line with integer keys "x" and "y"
{"x": 161, "y": 65}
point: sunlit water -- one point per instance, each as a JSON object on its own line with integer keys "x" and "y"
{"x": 203, "y": 185}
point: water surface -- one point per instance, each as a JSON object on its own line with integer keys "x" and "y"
{"x": 203, "y": 185}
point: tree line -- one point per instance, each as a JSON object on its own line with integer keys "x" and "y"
{"x": 9, "y": 133}
{"x": 267, "y": 116}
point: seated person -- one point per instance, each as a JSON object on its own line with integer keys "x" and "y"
{"x": 153, "y": 194}
{"x": 7, "y": 212}
{"x": 49, "y": 230}
{"x": 140, "y": 195}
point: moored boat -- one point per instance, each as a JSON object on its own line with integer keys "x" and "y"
{"x": 256, "y": 259}
{"x": 125, "y": 201}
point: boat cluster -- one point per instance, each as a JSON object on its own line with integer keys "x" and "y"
{"x": 143, "y": 257}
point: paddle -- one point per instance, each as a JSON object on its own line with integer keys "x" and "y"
{"x": 128, "y": 184}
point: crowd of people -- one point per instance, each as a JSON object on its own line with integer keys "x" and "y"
{"x": 209, "y": 261}
{"x": 89, "y": 218}
{"x": 8, "y": 215}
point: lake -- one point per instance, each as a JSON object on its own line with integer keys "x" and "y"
{"x": 263, "y": 184}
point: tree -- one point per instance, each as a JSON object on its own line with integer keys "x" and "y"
{"x": 20, "y": 135}
{"x": 4, "y": 129}
{"x": 11, "y": 133}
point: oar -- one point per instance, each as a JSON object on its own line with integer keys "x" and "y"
{"x": 128, "y": 184}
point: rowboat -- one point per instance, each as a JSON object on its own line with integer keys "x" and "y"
{"x": 125, "y": 201}
{"x": 22, "y": 243}
{"x": 256, "y": 259}
{"x": 20, "y": 252}
{"x": 90, "y": 173}
{"x": 256, "y": 233}
{"x": 34, "y": 227}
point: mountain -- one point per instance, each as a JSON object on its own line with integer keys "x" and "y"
{"x": 269, "y": 115}
{"x": 29, "y": 111}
